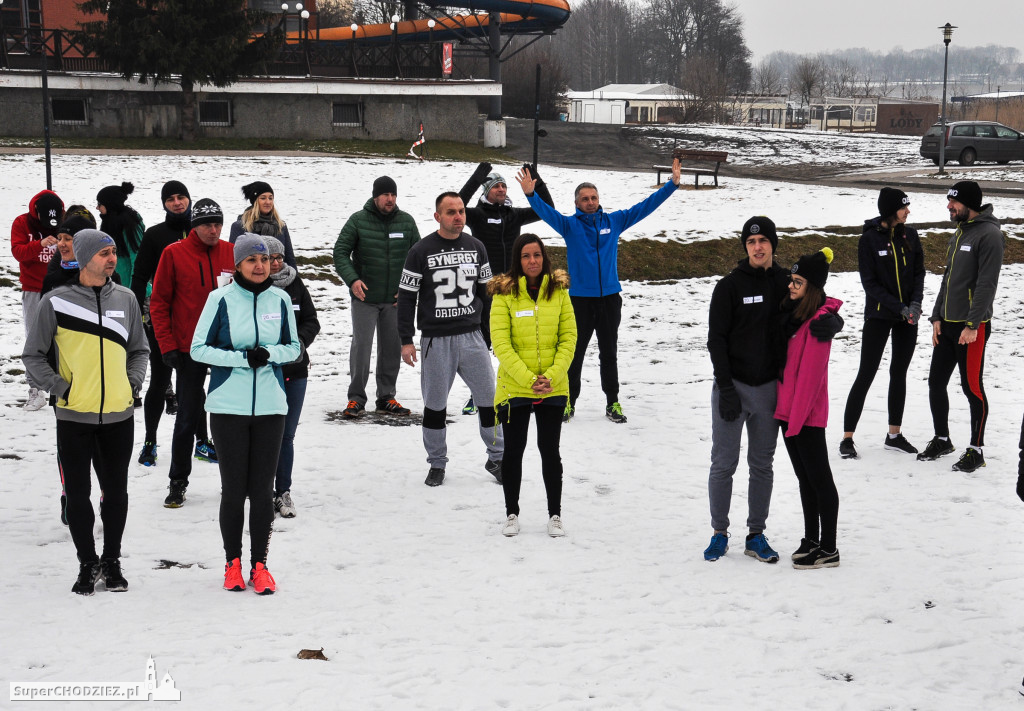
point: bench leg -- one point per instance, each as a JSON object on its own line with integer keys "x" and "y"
{"x": 696, "y": 181}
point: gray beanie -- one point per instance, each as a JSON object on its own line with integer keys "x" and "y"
{"x": 88, "y": 242}
{"x": 247, "y": 245}
{"x": 492, "y": 180}
{"x": 274, "y": 245}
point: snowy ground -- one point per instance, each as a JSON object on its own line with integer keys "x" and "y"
{"x": 418, "y": 600}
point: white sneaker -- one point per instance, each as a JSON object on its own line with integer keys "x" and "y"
{"x": 284, "y": 505}
{"x": 555, "y": 529}
{"x": 36, "y": 400}
{"x": 511, "y": 527}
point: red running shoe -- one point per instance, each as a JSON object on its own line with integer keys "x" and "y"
{"x": 262, "y": 581}
{"x": 233, "y": 579}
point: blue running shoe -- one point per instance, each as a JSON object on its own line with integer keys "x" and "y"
{"x": 719, "y": 547}
{"x": 757, "y": 547}
{"x": 205, "y": 451}
{"x": 470, "y": 407}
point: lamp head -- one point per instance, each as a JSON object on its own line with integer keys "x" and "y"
{"x": 947, "y": 33}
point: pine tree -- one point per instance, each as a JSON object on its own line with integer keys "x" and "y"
{"x": 186, "y": 42}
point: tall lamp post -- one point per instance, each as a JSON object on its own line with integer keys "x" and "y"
{"x": 394, "y": 44}
{"x": 352, "y": 49}
{"x": 947, "y": 36}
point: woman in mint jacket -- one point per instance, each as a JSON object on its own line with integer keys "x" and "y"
{"x": 246, "y": 333}
{"x": 533, "y": 334}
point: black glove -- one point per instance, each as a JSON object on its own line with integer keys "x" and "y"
{"x": 915, "y": 310}
{"x": 1020, "y": 486}
{"x": 257, "y": 357}
{"x": 826, "y": 326}
{"x": 729, "y": 403}
{"x": 533, "y": 171}
{"x": 481, "y": 172}
{"x": 170, "y": 359}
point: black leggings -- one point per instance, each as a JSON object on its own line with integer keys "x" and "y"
{"x": 108, "y": 449}
{"x": 601, "y": 315}
{"x": 970, "y": 359}
{"x": 247, "y": 453}
{"x": 818, "y": 496}
{"x": 515, "y": 424}
{"x": 872, "y": 346}
{"x": 159, "y": 380}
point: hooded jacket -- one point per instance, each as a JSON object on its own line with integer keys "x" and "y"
{"x": 891, "y": 269}
{"x": 497, "y": 226}
{"x": 802, "y": 394}
{"x": 101, "y": 351}
{"x": 156, "y": 239}
{"x": 372, "y": 246}
{"x": 233, "y": 321}
{"x": 26, "y": 245}
{"x": 592, "y": 240}
{"x": 531, "y": 338}
{"x": 742, "y": 320}
{"x": 973, "y": 259}
{"x": 185, "y": 276}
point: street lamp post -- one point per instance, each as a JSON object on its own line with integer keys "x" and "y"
{"x": 394, "y": 44}
{"x": 430, "y": 44}
{"x": 304, "y": 34}
{"x": 947, "y": 36}
{"x": 352, "y": 49}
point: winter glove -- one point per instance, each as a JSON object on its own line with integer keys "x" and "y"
{"x": 915, "y": 310}
{"x": 170, "y": 359}
{"x": 826, "y": 326}
{"x": 729, "y": 403}
{"x": 257, "y": 357}
{"x": 1020, "y": 486}
{"x": 481, "y": 173}
{"x": 533, "y": 172}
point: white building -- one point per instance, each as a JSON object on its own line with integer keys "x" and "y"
{"x": 626, "y": 103}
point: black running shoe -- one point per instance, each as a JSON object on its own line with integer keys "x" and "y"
{"x": 806, "y": 546}
{"x": 64, "y": 509}
{"x": 87, "y": 574}
{"x": 176, "y": 494}
{"x": 614, "y": 413}
{"x": 818, "y": 558}
{"x": 435, "y": 477}
{"x": 110, "y": 571}
{"x": 847, "y": 450}
{"x": 170, "y": 402}
{"x": 899, "y": 443}
{"x": 971, "y": 460}
{"x": 392, "y": 407}
{"x": 938, "y": 447}
{"x": 147, "y": 457}
{"x": 493, "y": 467}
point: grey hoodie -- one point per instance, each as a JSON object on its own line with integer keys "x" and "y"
{"x": 973, "y": 259}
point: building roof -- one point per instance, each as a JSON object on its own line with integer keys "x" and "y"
{"x": 632, "y": 92}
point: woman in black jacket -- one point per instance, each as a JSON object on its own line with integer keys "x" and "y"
{"x": 295, "y": 374}
{"x": 891, "y": 263}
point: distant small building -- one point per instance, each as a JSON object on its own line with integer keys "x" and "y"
{"x": 627, "y": 103}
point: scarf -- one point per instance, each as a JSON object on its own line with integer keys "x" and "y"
{"x": 285, "y": 277}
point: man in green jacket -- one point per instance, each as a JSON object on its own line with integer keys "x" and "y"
{"x": 369, "y": 256}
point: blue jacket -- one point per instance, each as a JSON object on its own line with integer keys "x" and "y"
{"x": 233, "y": 321}
{"x": 592, "y": 241}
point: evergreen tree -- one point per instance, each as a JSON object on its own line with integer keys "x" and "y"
{"x": 186, "y": 42}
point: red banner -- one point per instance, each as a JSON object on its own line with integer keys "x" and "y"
{"x": 446, "y": 58}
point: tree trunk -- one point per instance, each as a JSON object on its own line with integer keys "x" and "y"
{"x": 188, "y": 111}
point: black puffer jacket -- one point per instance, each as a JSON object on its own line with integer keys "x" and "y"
{"x": 306, "y": 321}
{"x": 891, "y": 263}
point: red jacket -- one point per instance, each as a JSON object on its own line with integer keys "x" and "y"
{"x": 185, "y": 276}
{"x": 803, "y": 391}
{"x": 27, "y": 248}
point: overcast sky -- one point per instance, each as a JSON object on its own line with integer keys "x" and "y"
{"x": 804, "y": 26}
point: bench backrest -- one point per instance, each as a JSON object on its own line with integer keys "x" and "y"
{"x": 702, "y": 156}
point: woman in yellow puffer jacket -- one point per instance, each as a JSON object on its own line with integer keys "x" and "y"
{"x": 533, "y": 334}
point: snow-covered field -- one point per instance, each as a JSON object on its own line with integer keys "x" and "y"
{"x": 420, "y": 603}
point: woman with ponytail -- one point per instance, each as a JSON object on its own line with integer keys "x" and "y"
{"x": 802, "y": 408}
{"x": 123, "y": 223}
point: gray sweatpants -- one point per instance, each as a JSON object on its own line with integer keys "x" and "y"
{"x": 442, "y": 358}
{"x": 758, "y": 415}
{"x": 29, "y": 306}
{"x": 365, "y": 319}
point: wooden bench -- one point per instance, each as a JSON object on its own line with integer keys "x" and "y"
{"x": 688, "y": 156}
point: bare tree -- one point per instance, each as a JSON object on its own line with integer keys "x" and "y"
{"x": 807, "y": 78}
{"x": 335, "y": 13}
{"x": 766, "y": 78}
{"x": 519, "y": 83}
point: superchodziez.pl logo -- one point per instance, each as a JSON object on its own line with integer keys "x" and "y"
{"x": 148, "y": 690}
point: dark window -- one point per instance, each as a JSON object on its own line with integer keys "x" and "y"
{"x": 349, "y": 114}
{"x": 215, "y": 113}
{"x": 69, "y": 112}
{"x": 963, "y": 130}
{"x": 984, "y": 132}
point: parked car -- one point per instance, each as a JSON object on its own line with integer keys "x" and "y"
{"x": 970, "y": 141}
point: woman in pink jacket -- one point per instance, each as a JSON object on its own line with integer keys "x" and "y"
{"x": 802, "y": 409}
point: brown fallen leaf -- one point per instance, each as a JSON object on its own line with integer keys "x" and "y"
{"x": 312, "y": 654}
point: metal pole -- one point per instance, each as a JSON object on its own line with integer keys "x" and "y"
{"x": 494, "y": 62}
{"x": 46, "y": 104}
{"x": 536, "y": 117}
{"x": 942, "y": 120}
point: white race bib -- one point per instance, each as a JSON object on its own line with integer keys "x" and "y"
{"x": 521, "y": 314}
{"x": 965, "y": 248}
{"x": 396, "y": 235}
{"x": 114, "y": 314}
{"x": 493, "y": 221}
{"x": 271, "y": 317}
{"x": 883, "y": 253}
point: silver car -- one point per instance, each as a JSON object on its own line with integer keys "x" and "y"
{"x": 970, "y": 141}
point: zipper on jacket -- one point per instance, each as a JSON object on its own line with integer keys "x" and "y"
{"x": 896, "y": 262}
{"x": 949, "y": 272}
{"x": 103, "y": 379}
{"x": 256, "y": 324}
{"x": 202, "y": 280}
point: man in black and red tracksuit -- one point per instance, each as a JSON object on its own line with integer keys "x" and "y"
{"x": 188, "y": 271}
{"x": 961, "y": 320}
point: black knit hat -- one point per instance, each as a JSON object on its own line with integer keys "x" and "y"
{"x": 967, "y": 193}
{"x": 113, "y": 197}
{"x": 383, "y": 185}
{"x": 76, "y": 218}
{"x": 207, "y": 212}
{"x": 814, "y": 267}
{"x": 891, "y": 201}
{"x": 173, "y": 187}
{"x": 759, "y": 226}
{"x": 254, "y": 190}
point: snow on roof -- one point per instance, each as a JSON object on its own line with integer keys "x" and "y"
{"x": 632, "y": 92}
